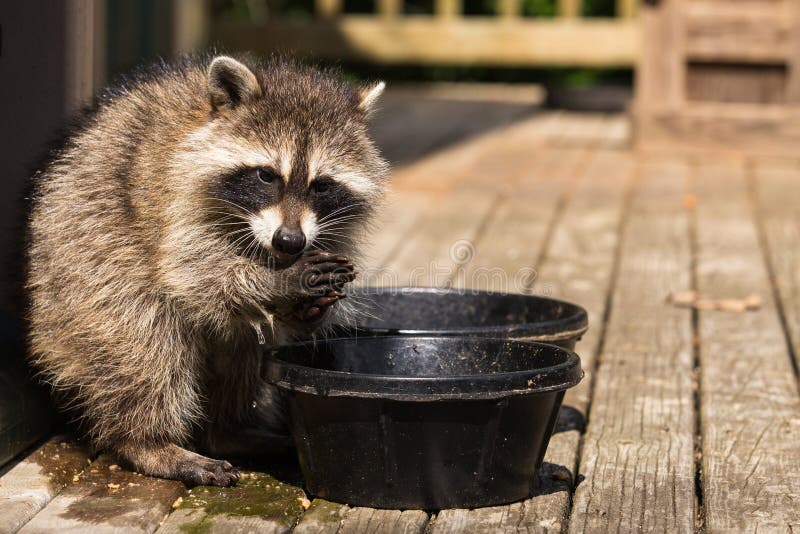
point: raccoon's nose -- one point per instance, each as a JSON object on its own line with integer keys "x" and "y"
{"x": 288, "y": 240}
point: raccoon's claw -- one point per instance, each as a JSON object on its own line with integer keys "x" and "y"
{"x": 208, "y": 472}
{"x": 326, "y": 271}
{"x": 320, "y": 256}
{"x": 334, "y": 279}
{"x": 318, "y": 307}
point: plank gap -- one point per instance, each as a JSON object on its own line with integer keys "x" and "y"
{"x": 633, "y": 181}
{"x": 764, "y": 246}
{"x": 564, "y": 196}
{"x": 479, "y": 235}
{"x": 700, "y": 513}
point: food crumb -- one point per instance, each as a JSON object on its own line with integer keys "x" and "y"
{"x": 76, "y": 479}
{"x": 113, "y": 486}
{"x": 114, "y": 467}
{"x": 177, "y": 503}
{"x": 305, "y": 502}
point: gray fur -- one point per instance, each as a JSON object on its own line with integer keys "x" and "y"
{"x": 142, "y": 310}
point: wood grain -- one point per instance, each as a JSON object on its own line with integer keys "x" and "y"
{"x": 578, "y": 267}
{"x": 507, "y": 251}
{"x": 755, "y": 129}
{"x": 776, "y": 185}
{"x": 398, "y": 219}
{"x": 637, "y": 456}
{"x": 371, "y": 521}
{"x": 750, "y": 408}
{"x": 324, "y": 517}
{"x": 32, "y": 483}
{"x": 108, "y": 499}
{"x": 430, "y": 256}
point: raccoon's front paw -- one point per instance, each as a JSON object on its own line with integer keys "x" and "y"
{"x": 325, "y": 272}
{"x": 322, "y": 281}
{"x": 202, "y": 471}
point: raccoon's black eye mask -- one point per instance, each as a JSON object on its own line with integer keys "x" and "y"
{"x": 255, "y": 188}
{"x": 267, "y": 176}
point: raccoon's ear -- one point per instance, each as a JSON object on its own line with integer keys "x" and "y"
{"x": 231, "y": 83}
{"x": 368, "y": 95}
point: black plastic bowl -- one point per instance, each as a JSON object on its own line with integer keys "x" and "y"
{"x": 422, "y": 422}
{"x": 433, "y": 311}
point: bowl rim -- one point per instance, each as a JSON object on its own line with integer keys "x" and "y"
{"x": 572, "y": 326}
{"x": 312, "y": 380}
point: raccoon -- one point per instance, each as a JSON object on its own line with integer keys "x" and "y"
{"x": 204, "y": 208}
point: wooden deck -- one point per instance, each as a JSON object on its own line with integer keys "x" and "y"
{"x": 688, "y": 419}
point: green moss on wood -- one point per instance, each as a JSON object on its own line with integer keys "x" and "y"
{"x": 256, "y": 495}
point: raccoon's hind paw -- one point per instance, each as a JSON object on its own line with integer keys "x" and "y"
{"x": 202, "y": 471}
{"x": 177, "y": 463}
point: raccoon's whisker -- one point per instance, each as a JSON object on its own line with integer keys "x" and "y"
{"x": 225, "y": 216}
{"x": 331, "y": 245}
{"x": 250, "y": 245}
{"x": 336, "y": 212}
{"x": 336, "y": 224}
{"x": 339, "y": 215}
{"x": 252, "y": 249}
{"x": 234, "y": 204}
{"x": 342, "y": 217}
{"x": 335, "y": 234}
{"x": 237, "y": 232}
{"x": 237, "y": 221}
{"x": 236, "y": 244}
{"x": 234, "y": 231}
{"x": 218, "y": 210}
{"x": 344, "y": 225}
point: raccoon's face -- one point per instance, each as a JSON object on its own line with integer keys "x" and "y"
{"x": 288, "y": 160}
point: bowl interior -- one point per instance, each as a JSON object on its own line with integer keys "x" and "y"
{"x": 430, "y": 310}
{"x": 423, "y": 357}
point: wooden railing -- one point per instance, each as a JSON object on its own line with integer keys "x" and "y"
{"x": 447, "y": 37}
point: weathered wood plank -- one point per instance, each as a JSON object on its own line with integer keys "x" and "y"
{"x": 108, "y": 499}
{"x": 28, "y": 486}
{"x": 432, "y": 255}
{"x": 734, "y": 129}
{"x": 506, "y": 253}
{"x": 324, "y": 517}
{"x": 637, "y": 455}
{"x": 750, "y": 408}
{"x": 777, "y": 192}
{"x": 397, "y": 220}
{"x": 371, "y": 521}
{"x": 258, "y": 503}
{"x": 490, "y": 519}
{"x": 578, "y": 267}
